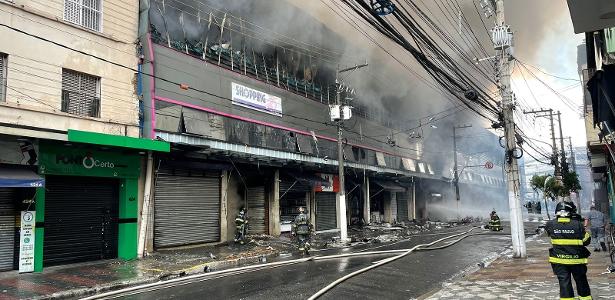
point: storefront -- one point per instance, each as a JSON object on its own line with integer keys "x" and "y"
{"x": 187, "y": 204}
{"x": 294, "y": 192}
{"x": 326, "y": 202}
{"x": 88, "y": 209}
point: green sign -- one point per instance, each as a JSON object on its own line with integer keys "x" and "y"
{"x": 77, "y": 160}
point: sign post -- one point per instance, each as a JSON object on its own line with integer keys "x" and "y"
{"x": 26, "y": 242}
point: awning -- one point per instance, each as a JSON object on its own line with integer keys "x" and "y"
{"x": 390, "y": 186}
{"x": 18, "y": 177}
{"x": 310, "y": 179}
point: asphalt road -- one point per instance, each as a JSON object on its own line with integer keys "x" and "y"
{"x": 408, "y": 277}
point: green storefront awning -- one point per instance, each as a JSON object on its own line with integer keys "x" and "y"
{"x": 96, "y": 138}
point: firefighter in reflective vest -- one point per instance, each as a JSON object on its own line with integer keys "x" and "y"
{"x": 241, "y": 225}
{"x": 494, "y": 222}
{"x": 302, "y": 230}
{"x": 568, "y": 256}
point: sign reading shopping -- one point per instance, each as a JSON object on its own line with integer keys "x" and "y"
{"x": 257, "y": 100}
{"x": 74, "y": 160}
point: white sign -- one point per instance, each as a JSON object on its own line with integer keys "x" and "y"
{"x": 257, "y": 100}
{"x": 26, "y": 242}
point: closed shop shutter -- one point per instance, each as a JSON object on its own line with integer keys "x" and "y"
{"x": 186, "y": 208}
{"x": 81, "y": 219}
{"x": 402, "y": 206}
{"x": 7, "y": 229}
{"x": 256, "y": 210}
{"x": 326, "y": 218}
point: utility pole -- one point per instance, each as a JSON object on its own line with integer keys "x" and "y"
{"x": 343, "y": 113}
{"x": 573, "y": 160}
{"x": 514, "y": 200}
{"x": 564, "y": 165}
{"x": 555, "y": 160}
{"x": 456, "y": 166}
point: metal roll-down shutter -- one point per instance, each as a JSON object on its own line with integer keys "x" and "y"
{"x": 326, "y": 217}
{"x": 256, "y": 210}
{"x": 7, "y": 229}
{"x": 402, "y": 206}
{"x": 81, "y": 219}
{"x": 186, "y": 207}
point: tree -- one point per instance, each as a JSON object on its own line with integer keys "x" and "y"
{"x": 538, "y": 185}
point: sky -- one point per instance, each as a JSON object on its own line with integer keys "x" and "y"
{"x": 545, "y": 38}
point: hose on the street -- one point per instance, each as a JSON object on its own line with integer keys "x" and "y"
{"x": 246, "y": 269}
{"x": 385, "y": 261}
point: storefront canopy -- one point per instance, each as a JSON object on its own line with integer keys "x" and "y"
{"x": 17, "y": 177}
{"x": 310, "y": 179}
{"x": 390, "y": 186}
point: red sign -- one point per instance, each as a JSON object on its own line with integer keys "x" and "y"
{"x": 333, "y": 186}
{"x": 488, "y": 165}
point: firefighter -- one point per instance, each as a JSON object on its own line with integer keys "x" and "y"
{"x": 494, "y": 222}
{"x": 241, "y": 225}
{"x": 568, "y": 255}
{"x": 302, "y": 230}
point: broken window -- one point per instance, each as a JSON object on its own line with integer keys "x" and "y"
{"x": 3, "y": 71}
{"x": 80, "y": 94}
{"x": 86, "y": 13}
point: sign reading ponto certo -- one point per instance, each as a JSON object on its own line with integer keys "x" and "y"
{"x": 257, "y": 100}
{"x": 488, "y": 165}
{"x": 87, "y": 161}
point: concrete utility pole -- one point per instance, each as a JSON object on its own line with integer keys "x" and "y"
{"x": 514, "y": 199}
{"x": 555, "y": 160}
{"x": 456, "y": 167}
{"x": 573, "y": 160}
{"x": 564, "y": 166}
{"x": 340, "y": 153}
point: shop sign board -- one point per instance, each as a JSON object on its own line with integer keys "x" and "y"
{"x": 26, "y": 242}
{"x": 256, "y": 100}
{"x": 332, "y": 186}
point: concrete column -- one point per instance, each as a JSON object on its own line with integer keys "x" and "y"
{"x": 411, "y": 203}
{"x": 311, "y": 207}
{"x": 366, "y": 201}
{"x": 337, "y": 210}
{"x": 274, "y": 206}
{"x": 388, "y": 213}
{"x": 393, "y": 201}
{"x": 224, "y": 207}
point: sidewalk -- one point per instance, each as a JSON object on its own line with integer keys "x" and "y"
{"x": 78, "y": 280}
{"x": 530, "y": 278}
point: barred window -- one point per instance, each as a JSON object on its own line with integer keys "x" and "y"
{"x": 86, "y": 13}
{"x": 80, "y": 94}
{"x": 3, "y": 71}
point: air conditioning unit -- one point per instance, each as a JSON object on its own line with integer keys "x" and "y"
{"x": 502, "y": 37}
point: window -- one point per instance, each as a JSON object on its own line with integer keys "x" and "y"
{"x": 3, "y": 70}
{"x": 86, "y": 13}
{"x": 80, "y": 94}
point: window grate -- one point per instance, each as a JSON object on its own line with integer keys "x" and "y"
{"x": 3, "y": 71}
{"x": 80, "y": 94}
{"x": 86, "y": 13}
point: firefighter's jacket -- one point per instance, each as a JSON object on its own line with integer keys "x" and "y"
{"x": 241, "y": 219}
{"x": 301, "y": 226}
{"x": 495, "y": 222}
{"x": 568, "y": 238}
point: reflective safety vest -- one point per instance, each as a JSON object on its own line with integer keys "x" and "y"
{"x": 568, "y": 238}
{"x": 301, "y": 224}
{"x": 495, "y": 222}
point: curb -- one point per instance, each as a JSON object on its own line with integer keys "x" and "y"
{"x": 197, "y": 269}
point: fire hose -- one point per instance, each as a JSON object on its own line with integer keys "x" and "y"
{"x": 235, "y": 271}
{"x": 386, "y": 261}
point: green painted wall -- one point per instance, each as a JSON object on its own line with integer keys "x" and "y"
{"x": 39, "y": 232}
{"x": 128, "y": 231}
{"x": 82, "y": 160}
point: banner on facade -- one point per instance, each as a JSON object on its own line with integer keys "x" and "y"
{"x": 26, "y": 242}
{"x": 333, "y": 186}
{"x": 257, "y": 100}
